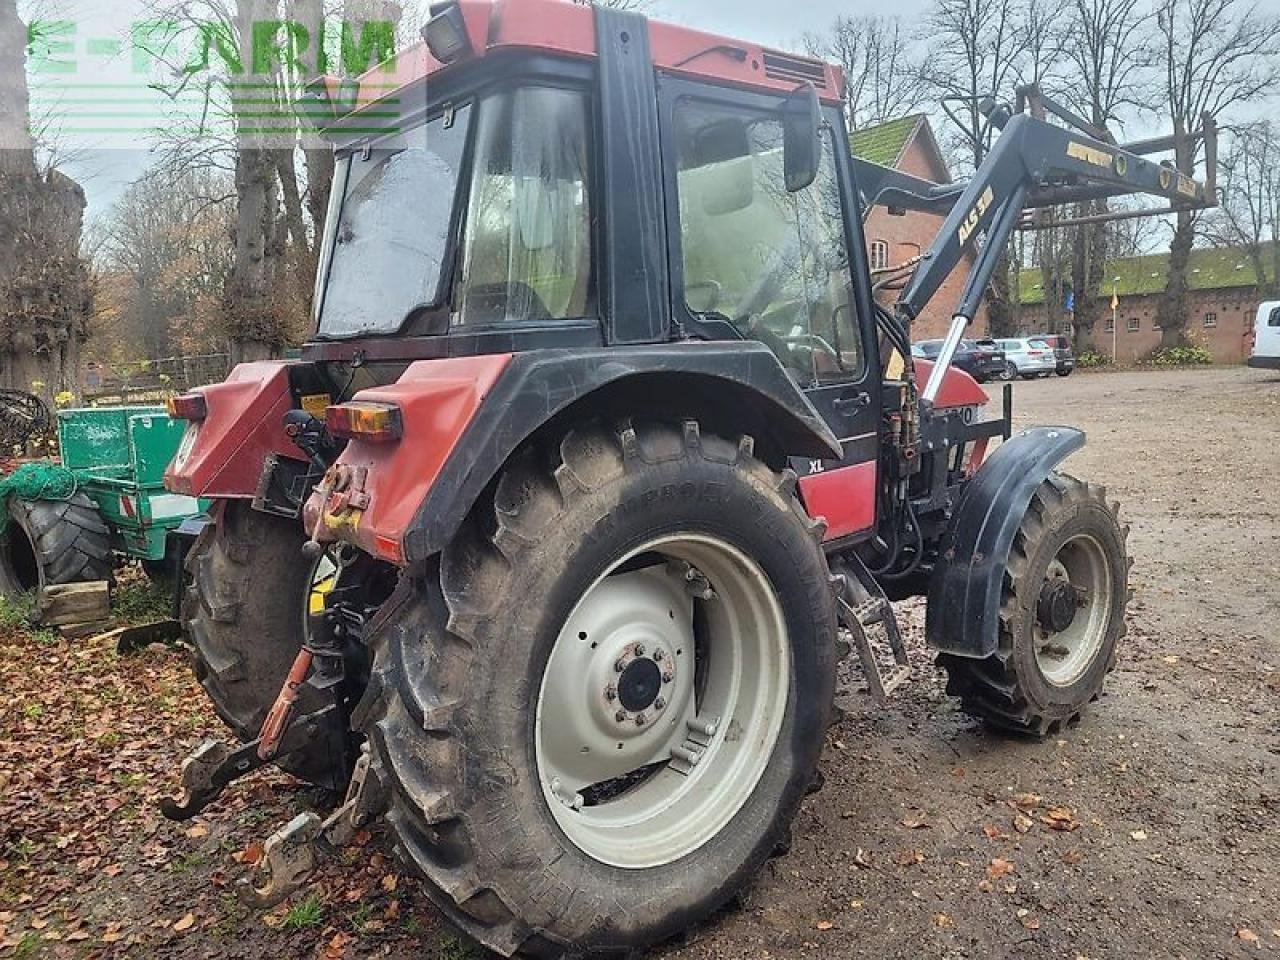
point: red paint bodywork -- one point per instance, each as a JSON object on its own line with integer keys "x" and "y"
{"x": 958, "y": 388}
{"x": 844, "y": 497}
{"x": 437, "y": 400}
{"x": 242, "y": 427}
{"x": 568, "y": 29}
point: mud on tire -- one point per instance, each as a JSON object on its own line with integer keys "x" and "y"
{"x": 460, "y": 658}
{"x": 245, "y": 611}
{"x": 50, "y": 542}
{"x": 1015, "y": 690}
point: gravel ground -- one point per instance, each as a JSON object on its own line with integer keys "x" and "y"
{"x": 915, "y": 847}
{"x": 1147, "y": 831}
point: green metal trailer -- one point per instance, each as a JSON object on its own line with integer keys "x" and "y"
{"x": 69, "y": 523}
{"x": 120, "y": 455}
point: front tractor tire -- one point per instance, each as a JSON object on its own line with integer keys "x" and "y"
{"x": 245, "y": 611}
{"x": 1061, "y": 616}
{"x": 598, "y": 712}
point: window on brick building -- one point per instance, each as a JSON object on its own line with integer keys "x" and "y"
{"x": 879, "y": 255}
{"x": 1210, "y": 321}
{"x": 1110, "y": 326}
{"x": 1133, "y": 325}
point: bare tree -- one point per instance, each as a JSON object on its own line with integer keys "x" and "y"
{"x": 1215, "y": 54}
{"x": 884, "y": 76}
{"x": 44, "y": 283}
{"x": 1109, "y": 55}
{"x": 972, "y": 56}
{"x": 1249, "y": 217}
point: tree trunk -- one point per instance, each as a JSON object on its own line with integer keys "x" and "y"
{"x": 253, "y": 309}
{"x": 1172, "y": 312}
{"x": 45, "y": 295}
{"x": 1000, "y": 320}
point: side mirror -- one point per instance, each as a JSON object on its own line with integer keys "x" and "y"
{"x": 802, "y": 137}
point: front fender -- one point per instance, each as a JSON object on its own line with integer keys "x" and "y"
{"x": 962, "y": 617}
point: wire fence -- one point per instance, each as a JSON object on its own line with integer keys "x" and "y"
{"x": 151, "y": 381}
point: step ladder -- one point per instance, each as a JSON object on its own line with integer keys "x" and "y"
{"x": 866, "y": 613}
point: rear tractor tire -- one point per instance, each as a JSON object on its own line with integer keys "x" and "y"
{"x": 597, "y": 714}
{"x": 50, "y": 542}
{"x": 1061, "y": 617}
{"x": 245, "y": 609}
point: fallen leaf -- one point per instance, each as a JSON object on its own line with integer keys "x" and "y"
{"x": 909, "y": 858}
{"x": 1072, "y": 857}
{"x": 862, "y": 859}
{"x": 185, "y": 922}
{"x": 1022, "y": 823}
{"x": 251, "y": 854}
{"x": 993, "y": 832}
{"x": 825, "y": 925}
{"x": 1247, "y": 935}
{"x": 389, "y": 883}
{"x": 1062, "y": 819}
{"x": 942, "y": 920}
{"x": 1026, "y": 801}
{"x": 198, "y": 831}
{"x": 915, "y": 821}
{"x": 1138, "y": 835}
{"x": 999, "y": 867}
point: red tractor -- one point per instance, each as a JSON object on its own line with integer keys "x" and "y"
{"x": 602, "y": 451}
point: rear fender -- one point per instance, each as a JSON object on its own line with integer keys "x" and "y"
{"x": 965, "y": 588}
{"x": 222, "y": 455}
{"x": 463, "y": 418}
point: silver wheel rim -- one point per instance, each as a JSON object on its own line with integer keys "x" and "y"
{"x": 1064, "y": 656}
{"x": 638, "y": 786}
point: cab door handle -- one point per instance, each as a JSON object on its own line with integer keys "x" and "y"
{"x": 858, "y": 401}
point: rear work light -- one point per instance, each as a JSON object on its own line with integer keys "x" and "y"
{"x": 378, "y": 422}
{"x": 446, "y": 32}
{"x": 188, "y": 406}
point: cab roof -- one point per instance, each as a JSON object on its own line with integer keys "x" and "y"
{"x": 561, "y": 28}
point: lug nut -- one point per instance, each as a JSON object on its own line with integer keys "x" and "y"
{"x": 639, "y": 649}
{"x": 668, "y": 677}
{"x": 621, "y": 716}
{"x": 658, "y": 656}
{"x": 659, "y": 704}
{"x": 619, "y": 666}
{"x": 611, "y": 693}
{"x": 640, "y": 719}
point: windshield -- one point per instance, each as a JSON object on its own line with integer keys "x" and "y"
{"x": 387, "y": 229}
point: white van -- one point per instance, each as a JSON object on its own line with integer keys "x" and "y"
{"x": 1266, "y": 337}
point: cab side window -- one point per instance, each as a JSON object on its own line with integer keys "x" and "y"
{"x": 773, "y": 263}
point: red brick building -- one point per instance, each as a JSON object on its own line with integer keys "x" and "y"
{"x": 908, "y": 144}
{"x": 1223, "y": 302}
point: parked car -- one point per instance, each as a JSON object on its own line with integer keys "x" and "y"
{"x": 1266, "y": 337}
{"x": 981, "y": 359}
{"x": 1027, "y": 357}
{"x": 1061, "y": 352}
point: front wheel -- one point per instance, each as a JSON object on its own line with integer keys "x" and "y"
{"x": 1010, "y": 372}
{"x": 598, "y": 714}
{"x": 1064, "y": 373}
{"x": 1061, "y": 617}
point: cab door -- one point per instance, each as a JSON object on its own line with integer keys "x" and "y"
{"x": 750, "y": 259}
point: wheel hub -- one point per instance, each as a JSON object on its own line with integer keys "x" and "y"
{"x": 1056, "y": 609}
{"x": 639, "y": 685}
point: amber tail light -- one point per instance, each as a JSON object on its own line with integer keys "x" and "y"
{"x": 188, "y": 406}
{"x": 377, "y": 422}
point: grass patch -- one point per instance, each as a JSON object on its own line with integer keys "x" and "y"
{"x": 17, "y": 611}
{"x": 305, "y": 913}
{"x": 138, "y": 600}
{"x": 27, "y": 946}
{"x": 454, "y": 948}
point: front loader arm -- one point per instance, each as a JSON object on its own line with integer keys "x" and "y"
{"x": 1033, "y": 164}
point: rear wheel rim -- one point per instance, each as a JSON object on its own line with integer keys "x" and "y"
{"x": 662, "y": 701}
{"x": 1064, "y": 656}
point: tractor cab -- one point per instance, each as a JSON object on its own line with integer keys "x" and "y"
{"x": 493, "y": 190}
